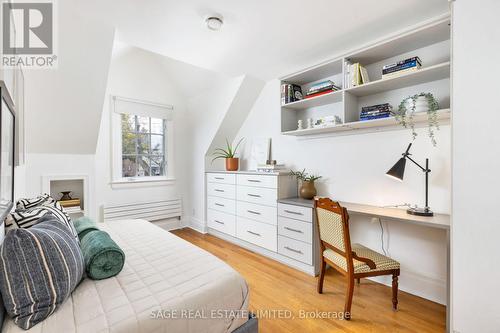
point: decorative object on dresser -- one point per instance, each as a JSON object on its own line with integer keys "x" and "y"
{"x": 307, "y": 189}
{"x": 419, "y": 103}
{"x": 229, "y": 154}
{"x": 398, "y": 171}
{"x": 246, "y": 208}
{"x": 354, "y": 261}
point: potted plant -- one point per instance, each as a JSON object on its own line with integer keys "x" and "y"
{"x": 229, "y": 153}
{"x": 307, "y": 189}
{"x": 423, "y": 102}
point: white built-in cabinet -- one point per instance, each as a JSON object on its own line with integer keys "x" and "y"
{"x": 430, "y": 41}
{"x": 244, "y": 208}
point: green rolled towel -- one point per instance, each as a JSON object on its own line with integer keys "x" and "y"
{"x": 103, "y": 258}
{"x": 84, "y": 225}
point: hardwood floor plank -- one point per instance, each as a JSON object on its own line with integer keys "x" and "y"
{"x": 274, "y": 286}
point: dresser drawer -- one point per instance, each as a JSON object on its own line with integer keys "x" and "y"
{"x": 295, "y": 249}
{"x": 260, "y": 234}
{"x": 258, "y": 195}
{"x": 295, "y": 229}
{"x": 222, "y": 222}
{"x": 257, "y": 180}
{"x": 221, "y": 190}
{"x": 222, "y": 204}
{"x": 266, "y": 214}
{"x": 296, "y": 212}
{"x": 222, "y": 178}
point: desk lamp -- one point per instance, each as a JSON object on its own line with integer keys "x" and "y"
{"x": 398, "y": 171}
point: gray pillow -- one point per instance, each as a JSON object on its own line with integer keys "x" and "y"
{"x": 39, "y": 268}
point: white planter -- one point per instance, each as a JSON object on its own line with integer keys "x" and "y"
{"x": 421, "y": 104}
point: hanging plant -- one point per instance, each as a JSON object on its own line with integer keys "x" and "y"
{"x": 423, "y": 102}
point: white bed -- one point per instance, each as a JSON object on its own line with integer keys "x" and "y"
{"x": 162, "y": 273}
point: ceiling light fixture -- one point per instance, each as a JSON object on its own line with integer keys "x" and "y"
{"x": 214, "y": 22}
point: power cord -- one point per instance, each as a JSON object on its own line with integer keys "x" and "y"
{"x": 382, "y": 235}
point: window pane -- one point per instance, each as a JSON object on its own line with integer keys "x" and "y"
{"x": 143, "y": 143}
{"x": 129, "y": 168}
{"x": 143, "y": 166}
{"x": 157, "y": 165}
{"x": 157, "y": 144}
{"x": 142, "y": 124}
{"x": 128, "y": 143}
{"x": 157, "y": 126}
{"x": 128, "y": 123}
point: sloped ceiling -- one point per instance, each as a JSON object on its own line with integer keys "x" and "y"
{"x": 64, "y": 105}
{"x": 261, "y": 38}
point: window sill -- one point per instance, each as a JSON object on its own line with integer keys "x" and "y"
{"x": 125, "y": 183}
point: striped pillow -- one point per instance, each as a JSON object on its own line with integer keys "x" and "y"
{"x": 39, "y": 268}
{"x": 33, "y": 202}
{"x": 28, "y": 217}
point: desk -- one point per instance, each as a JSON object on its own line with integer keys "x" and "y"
{"x": 438, "y": 221}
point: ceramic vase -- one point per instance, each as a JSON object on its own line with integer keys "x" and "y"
{"x": 307, "y": 190}
{"x": 232, "y": 164}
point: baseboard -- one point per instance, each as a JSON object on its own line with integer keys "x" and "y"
{"x": 433, "y": 289}
{"x": 197, "y": 225}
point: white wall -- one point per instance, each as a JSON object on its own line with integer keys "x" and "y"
{"x": 353, "y": 169}
{"x": 476, "y": 163}
{"x": 138, "y": 74}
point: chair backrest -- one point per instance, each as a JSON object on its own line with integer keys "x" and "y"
{"x": 333, "y": 227}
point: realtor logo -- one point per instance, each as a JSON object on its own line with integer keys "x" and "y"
{"x": 28, "y": 34}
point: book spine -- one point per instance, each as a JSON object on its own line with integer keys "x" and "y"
{"x": 320, "y": 93}
{"x": 400, "y": 67}
{"x": 374, "y": 117}
{"x": 401, "y": 72}
{"x": 402, "y": 62}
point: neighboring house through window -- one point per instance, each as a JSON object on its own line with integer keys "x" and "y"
{"x": 141, "y": 138}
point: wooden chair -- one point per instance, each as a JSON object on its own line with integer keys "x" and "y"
{"x": 353, "y": 261}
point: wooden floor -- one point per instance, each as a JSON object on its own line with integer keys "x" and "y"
{"x": 274, "y": 286}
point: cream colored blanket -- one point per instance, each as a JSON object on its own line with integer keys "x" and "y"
{"x": 166, "y": 285}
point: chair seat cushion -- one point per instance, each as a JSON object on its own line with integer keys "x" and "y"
{"x": 383, "y": 263}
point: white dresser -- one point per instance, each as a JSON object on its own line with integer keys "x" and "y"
{"x": 243, "y": 208}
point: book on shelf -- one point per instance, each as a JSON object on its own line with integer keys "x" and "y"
{"x": 70, "y": 203}
{"x": 321, "y": 87}
{"x": 270, "y": 167}
{"x": 380, "y": 116}
{"x": 355, "y": 75}
{"x": 401, "y": 72}
{"x": 402, "y": 62}
{"x": 324, "y": 92}
{"x": 401, "y": 67}
{"x": 375, "y": 111}
{"x": 71, "y": 210}
{"x": 290, "y": 93}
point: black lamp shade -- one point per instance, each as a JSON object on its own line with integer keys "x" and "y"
{"x": 398, "y": 170}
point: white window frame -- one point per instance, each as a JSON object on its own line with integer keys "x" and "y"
{"x": 121, "y": 105}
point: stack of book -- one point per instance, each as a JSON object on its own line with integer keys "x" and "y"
{"x": 375, "y": 112}
{"x": 270, "y": 167}
{"x": 355, "y": 75}
{"x": 321, "y": 88}
{"x": 71, "y": 206}
{"x": 290, "y": 93}
{"x": 401, "y": 67}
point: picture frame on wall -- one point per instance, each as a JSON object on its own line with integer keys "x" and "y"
{"x": 7, "y": 151}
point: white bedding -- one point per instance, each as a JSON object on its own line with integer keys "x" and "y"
{"x": 162, "y": 272}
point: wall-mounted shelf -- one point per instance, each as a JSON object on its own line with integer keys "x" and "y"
{"x": 443, "y": 114}
{"x": 430, "y": 42}
{"x": 423, "y": 75}
{"x": 333, "y": 97}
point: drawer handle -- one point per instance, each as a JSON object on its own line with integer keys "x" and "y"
{"x": 253, "y": 233}
{"x": 294, "y": 230}
{"x": 253, "y": 195}
{"x": 219, "y": 222}
{"x": 253, "y": 212}
{"x": 219, "y": 178}
{"x": 220, "y": 205}
{"x": 217, "y": 190}
{"x": 293, "y": 250}
{"x": 292, "y": 212}
{"x": 253, "y": 180}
